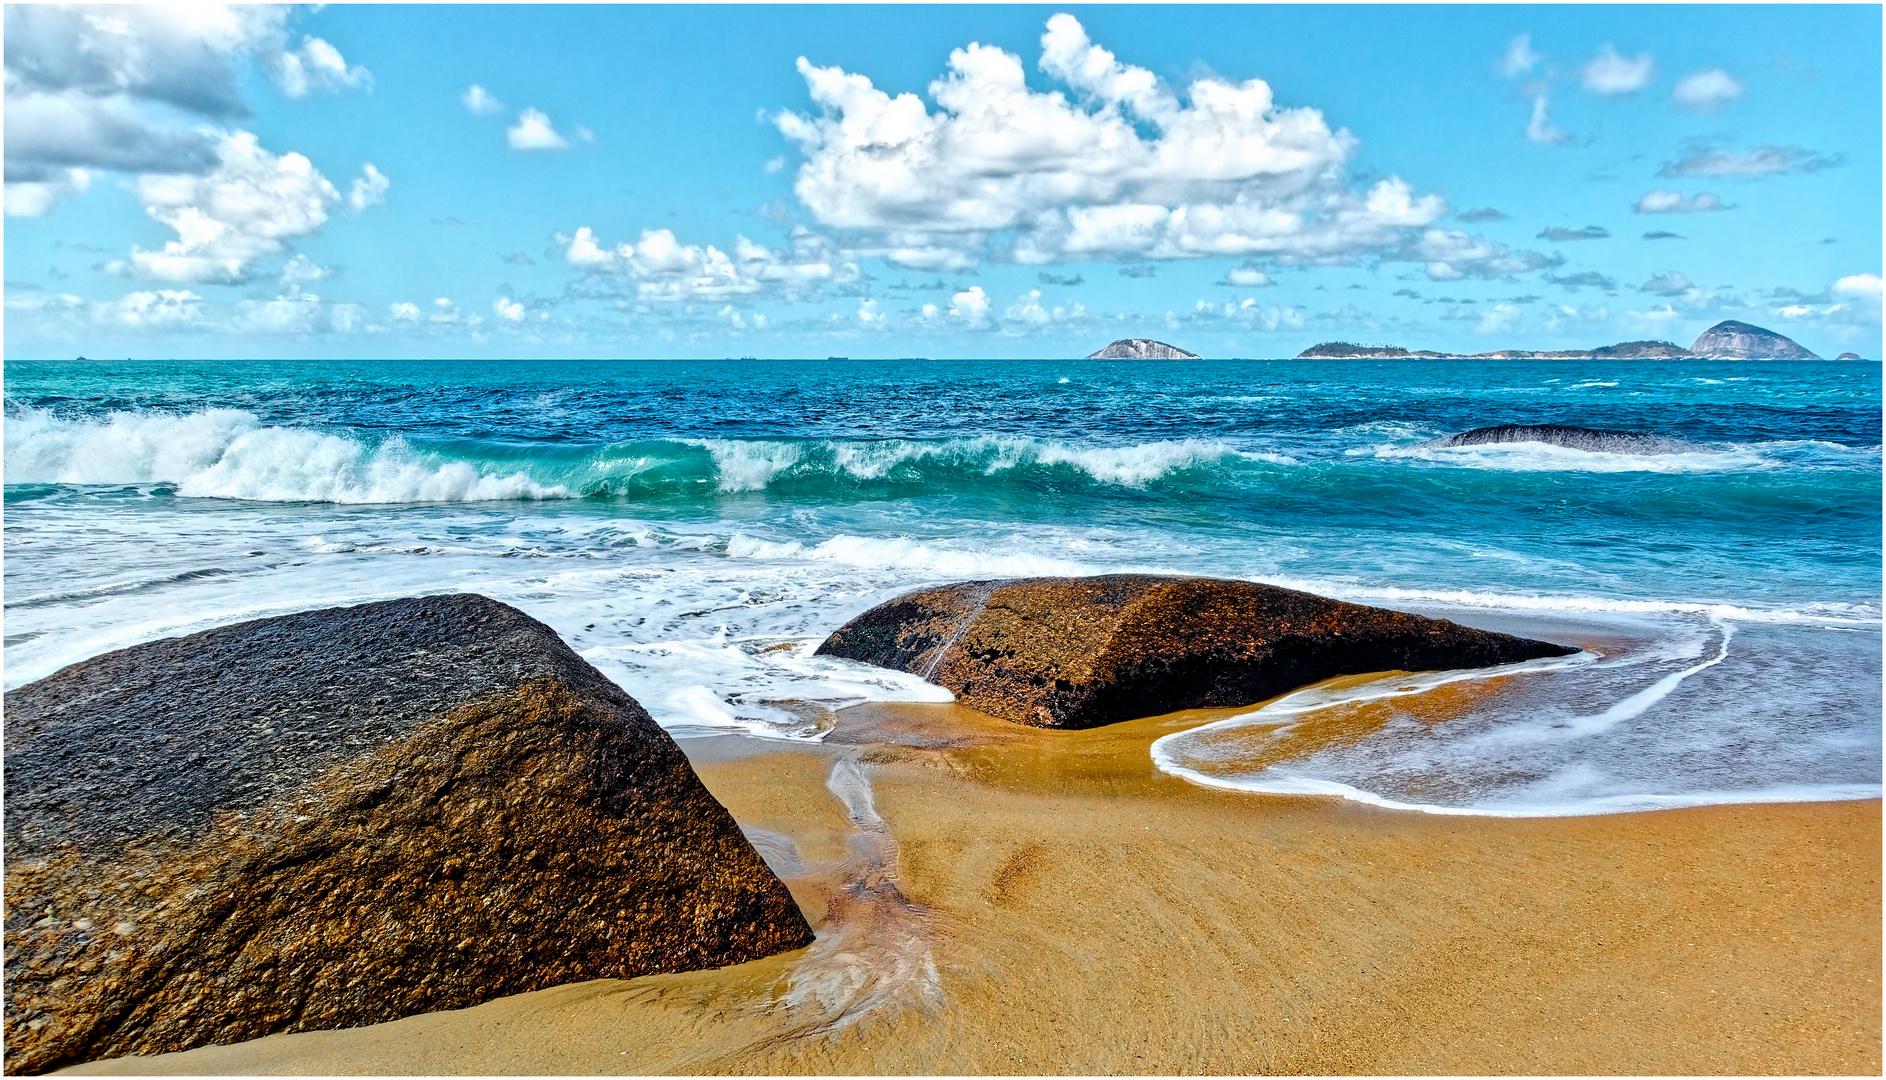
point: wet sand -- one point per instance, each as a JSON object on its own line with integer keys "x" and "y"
{"x": 998, "y": 899}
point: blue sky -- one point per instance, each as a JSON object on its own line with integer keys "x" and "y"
{"x": 934, "y": 181}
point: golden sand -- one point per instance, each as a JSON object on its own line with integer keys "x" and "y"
{"x": 1009, "y": 900}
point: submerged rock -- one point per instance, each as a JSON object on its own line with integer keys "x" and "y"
{"x": 1081, "y": 652}
{"x": 1140, "y": 348}
{"x": 1577, "y": 438}
{"x": 343, "y": 817}
{"x": 1734, "y": 340}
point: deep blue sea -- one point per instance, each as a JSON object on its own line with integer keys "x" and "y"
{"x": 678, "y": 522}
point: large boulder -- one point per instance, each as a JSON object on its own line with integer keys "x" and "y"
{"x": 343, "y": 817}
{"x": 1080, "y": 652}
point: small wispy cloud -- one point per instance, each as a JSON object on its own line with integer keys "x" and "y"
{"x": 1540, "y": 128}
{"x": 1519, "y": 58}
{"x": 1483, "y": 213}
{"x": 1558, "y": 234}
{"x": 480, "y": 101}
{"x": 1588, "y": 279}
{"x": 1675, "y": 202}
{"x": 1668, "y": 283}
{"x": 1761, "y": 161}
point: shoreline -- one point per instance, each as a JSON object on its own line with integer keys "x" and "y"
{"x": 992, "y": 898}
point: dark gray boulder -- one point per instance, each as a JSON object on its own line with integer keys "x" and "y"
{"x": 1081, "y": 652}
{"x": 343, "y": 817}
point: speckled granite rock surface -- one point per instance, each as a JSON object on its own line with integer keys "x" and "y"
{"x": 1081, "y": 652}
{"x": 343, "y": 817}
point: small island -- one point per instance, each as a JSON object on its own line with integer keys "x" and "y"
{"x": 1142, "y": 349}
{"x": 1727, "y": 340}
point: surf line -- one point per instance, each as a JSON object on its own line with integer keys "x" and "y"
{"x": 1640, "y": 702}
{"x": 1166, "y": 758}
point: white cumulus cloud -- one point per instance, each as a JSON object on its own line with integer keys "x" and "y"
{"x": 1451, "y": 254}
{"x": 1707, "y": 91}
{"x": 663, "y": 268}
{"x": 142, "y": 88}
{"x": 162, "y": 309}
{"x": 316, "y": 66}
{"x": 31, "y": 199}
{"x": 970, "y": 307}
{"x": 1861, "y": 294}
{"x": 1249, "y": 277}
{"x": 507, "y": 309}
{"x": 534, "y": 132}
{"x": 369, "y": 188}
{"x": 1610, "y": 74}
{"x": 245, "y": 209}
{"x": 1118, "y": 165}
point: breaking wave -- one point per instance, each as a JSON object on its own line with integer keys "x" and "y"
{"x": 231, "y": 454}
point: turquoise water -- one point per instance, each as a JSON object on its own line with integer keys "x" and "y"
{"x": 675, "y": 519}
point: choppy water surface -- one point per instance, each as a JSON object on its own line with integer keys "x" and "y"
{"x": 680, "y": 522}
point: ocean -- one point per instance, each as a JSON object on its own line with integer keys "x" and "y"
{"x": 695, "y": 528}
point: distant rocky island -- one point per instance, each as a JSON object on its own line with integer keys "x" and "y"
{"x": 1741, "y": 341}
{"x": 1727, "y": 340}
{"x": 1140, "y": 348}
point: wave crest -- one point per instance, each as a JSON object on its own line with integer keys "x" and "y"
{"x": 229, "y": 454}
{"x": 232, "y": 454}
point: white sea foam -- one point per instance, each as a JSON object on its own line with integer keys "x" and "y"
{"x": 1576, "y": 604}
{"x": 1543, "y": 457}
{"x": 750, "y": 465}
{"x": 1524, "y": 755}
{"x": 906, "y": 555}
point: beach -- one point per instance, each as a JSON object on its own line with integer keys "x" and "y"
{"x": 997, "y": 899}
{"x": 1429, "y": 872}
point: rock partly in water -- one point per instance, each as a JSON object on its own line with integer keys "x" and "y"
{"x": 1140, "y": 348}
{"x": 1734, "y": 340}
{"x": 1576, "y": 438}
{"x": 1850, "y": 356}
{"x": 1081, "y": 652}
{"x": 343, "y": 817}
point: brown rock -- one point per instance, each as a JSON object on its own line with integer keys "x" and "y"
{"x": 343, "y": 817}
{"x": 1081, "y": 652}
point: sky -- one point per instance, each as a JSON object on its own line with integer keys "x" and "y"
{"x": 939, "y": 181}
